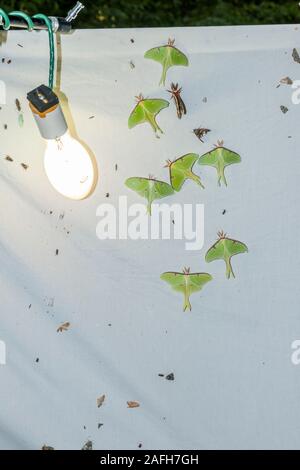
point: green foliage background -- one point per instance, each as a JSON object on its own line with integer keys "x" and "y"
{"x": 151, "y": 13}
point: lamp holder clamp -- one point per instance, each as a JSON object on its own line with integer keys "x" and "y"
{"x": 22, "y": 21}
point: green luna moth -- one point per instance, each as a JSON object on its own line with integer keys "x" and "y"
{"x": 167, "y": 56}
{"x": 146, "y": 110}
{"x": 219, "y": 158}
{"x": 186, "y": 283}
{"x": 182, "y": 169}
{"x": 149, "y": 188}
{"x": 224, "y": 249}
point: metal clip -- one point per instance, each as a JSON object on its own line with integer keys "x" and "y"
{"x": 74, "y": 12}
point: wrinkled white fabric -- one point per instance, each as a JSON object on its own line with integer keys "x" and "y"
{"x": 235, "y": 385}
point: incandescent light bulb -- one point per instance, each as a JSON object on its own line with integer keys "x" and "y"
{"x": 69, "y": 167}
{"x": 68, "y": 164}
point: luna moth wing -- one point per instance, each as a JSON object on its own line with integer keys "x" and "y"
{"x": 234, "y": 247}
{"x": 167, "y": 56}
{"x": 209, "y": 158}
{"x": 156, "y": 53}
{"x": 186, "y": 162}
{"x": 154, "y": 106}
{"x": 219, "y": 155}
{"x": 198, "y": 280}
{"x": 139, "y": 185}
{"x": 215, "y": 252}
{"x": 179, "y": 168}
{"x": 225, "y": 248}
{"x": 175, "y": 280}
{"x": 146, "y": 111}
{"x": 161, "y": 53}
{"x": 149, "y": 189}
{"x": 230, "y": 157}
{"x": 162, "y": 189}
{"x": 137, "y": 116}
{"x": 177, "y": 178}
{"x": 177, "y": 57}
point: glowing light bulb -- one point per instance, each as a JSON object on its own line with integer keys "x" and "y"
{"x": 69, "y": 167}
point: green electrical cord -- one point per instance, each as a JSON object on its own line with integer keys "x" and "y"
{"x": 6, "y": 24}
{"x": 20, "y": 14}
{"x": 5, "y": 18}
{"x": 48, "y": 23}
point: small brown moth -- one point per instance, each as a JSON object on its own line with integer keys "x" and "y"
{"x": 63, "y": 327}
{"x": 200, "y": 133}
{"x": 176, "y": 95}
{"x": 18, "y": 105}
{"x": 100, "y": 401}
{"x": 286, "y": 81}
{"x": 133, "y": 404}
{"x": 296, "y": 56}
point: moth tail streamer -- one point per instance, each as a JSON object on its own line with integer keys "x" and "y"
{"x": 163, "y": 77}
{"x": 221, "y": 177}
{"x": 187, "y": 303}
{"x": 229, "y": 270}
{"x": 197, "y": 179}
{"x": 154, "y": 125}
{"x": 149, "y": 208}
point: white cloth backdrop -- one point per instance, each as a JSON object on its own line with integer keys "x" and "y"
{"x": 235, "y": 385}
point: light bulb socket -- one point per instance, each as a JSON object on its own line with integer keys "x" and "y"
{"x": 46, "y": 109}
